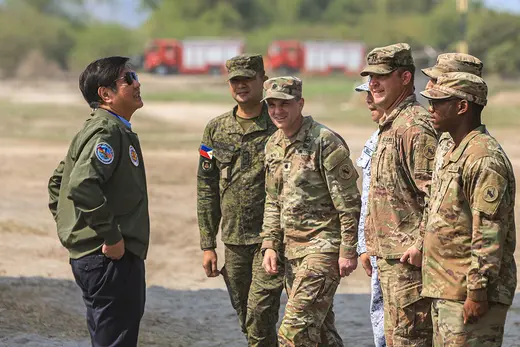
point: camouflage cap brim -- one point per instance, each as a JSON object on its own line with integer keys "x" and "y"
{"x": 380, "y": 69}
{"x": 432, "y": 72}
{"x": 277, "y": 95}
{"x": 242, "y": 73}
{"x": 435, "y": 94}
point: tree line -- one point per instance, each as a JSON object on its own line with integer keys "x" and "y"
{"x": 66, "y": 35}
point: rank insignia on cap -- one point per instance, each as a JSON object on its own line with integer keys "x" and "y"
{"x": 206, "y": 152}
{"x": 104, "y": 153}
{"x": 133, "y": 155}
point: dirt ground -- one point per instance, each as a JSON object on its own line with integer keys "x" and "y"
{"x": 39, "y": 303}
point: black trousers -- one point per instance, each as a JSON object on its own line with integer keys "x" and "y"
{"x": 114, "y": 292}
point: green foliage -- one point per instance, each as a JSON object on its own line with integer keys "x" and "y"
{"x": 66, "y": 34}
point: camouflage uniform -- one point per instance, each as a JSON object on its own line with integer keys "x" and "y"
{"x": 450, "y": 62}
{"x": 313, "y": 202}
{"x": 470, "y": 233}
{"x": 399, "y": 187}
{"x": 231, "y": 188}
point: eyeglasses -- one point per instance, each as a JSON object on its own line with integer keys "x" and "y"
{"x": 437, "y": 102}
{"x": 129, "y": 78}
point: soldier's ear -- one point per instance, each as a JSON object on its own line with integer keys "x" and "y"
{"x": 462, "y": 107}
{"x": 406, "y": 76}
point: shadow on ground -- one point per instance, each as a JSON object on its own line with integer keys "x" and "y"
{"x": 45, "y": 312}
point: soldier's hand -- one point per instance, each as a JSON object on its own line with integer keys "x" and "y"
{"x": 365, "y": 262}
{"x": 474, "y": 310}
{"x": 209, "y": 263}
{"x": 115, "y": 251}
{"x": 346, "y": 266}
{"x": 412, "y": 256}
{"x": 270, "y": 262}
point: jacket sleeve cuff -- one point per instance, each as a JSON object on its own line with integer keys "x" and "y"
{"x": 271, "y": 244}
{"x": 478, "y": 294}
{"x": 208, "y": 244}
{"x": 113, "y": 237}
{"x": 347, "y": 252}
{"x": 419, "y": 245}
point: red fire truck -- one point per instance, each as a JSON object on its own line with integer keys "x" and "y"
{"x": 190, "y": 56}
{"x": 316, "y": 57}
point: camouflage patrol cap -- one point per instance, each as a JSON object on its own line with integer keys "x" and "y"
{"x": 245, "y": 65}
{"x": 461, "y": 85}
{"x": 453, "y": 62}
{"x": 286, "y": 88}
{"x": 383, "y": 60}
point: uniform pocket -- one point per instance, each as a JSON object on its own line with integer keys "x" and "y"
{"x": 89, "y": 271}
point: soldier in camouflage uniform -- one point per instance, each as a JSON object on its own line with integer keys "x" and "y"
{"x": 313, "y": 203}
{"x": 469, "y": 268}
{"x": 450, "y": 62}
{"x": 400, "y": 181}
{"x": 369, "y": 263}
{"x": 231, "y": 188}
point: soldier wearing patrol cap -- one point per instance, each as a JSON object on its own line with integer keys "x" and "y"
{"x": 99, "y": 200}
{"x": 231, "y": 192}
{"x": 400, "y": 181}
{"x": 450, "y": 62}
{"x": 313, "y": 204}
{"x": 469, "y": 266}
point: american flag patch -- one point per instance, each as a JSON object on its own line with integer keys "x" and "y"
{"x": 206, "y": 152}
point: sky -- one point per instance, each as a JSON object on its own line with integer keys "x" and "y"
{"x": 127, "y": 12}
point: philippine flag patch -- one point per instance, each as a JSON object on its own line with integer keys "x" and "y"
{"x": 206, "y": 152}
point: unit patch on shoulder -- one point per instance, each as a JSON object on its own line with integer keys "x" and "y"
{"x": 429, "y": 152}
{"x": 104, "y": 153}
{"x": 133, "y": 155}
{"x": 490, "y": 193}
{"x": 346, "y": 171}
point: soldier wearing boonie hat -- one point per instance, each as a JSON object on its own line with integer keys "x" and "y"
{"x": 469, "y": 267}
{"x": 311, "y": 188}
{"x": 231, "y": 194}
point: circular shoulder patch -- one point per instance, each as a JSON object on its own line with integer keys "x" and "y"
{"x": 104, "y": 153}
{"x": 133, "y": 155}
{"x": 429, "y": 152}
{"x": 206, "y": 165}
{"x": 490, "y": 193}
{"x": 346, "y": 171}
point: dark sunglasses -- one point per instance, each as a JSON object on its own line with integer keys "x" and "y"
{"x": 434, "y": 102}
{"x": 129, "y": 78}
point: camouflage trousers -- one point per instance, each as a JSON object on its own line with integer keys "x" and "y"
{"x": 311, "y": 283}
{"x": 255, "y": 295}
{"x": 449, "y": 329}
{"x": 407, "y": 314}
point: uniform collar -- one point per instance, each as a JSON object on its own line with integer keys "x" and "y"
{"x": 108, "y": 114}
{"x": 455, "y": 154}
{"x": 260, "y": 123}
{"x": 387, "y": 119}
{"x": 300, "y": 135}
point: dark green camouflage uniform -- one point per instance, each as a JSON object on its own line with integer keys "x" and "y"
{"x": 231, "y": 191}
{"x": 470, "y": 234}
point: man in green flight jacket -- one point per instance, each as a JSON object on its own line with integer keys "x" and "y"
{"x": 98, "y": 198}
